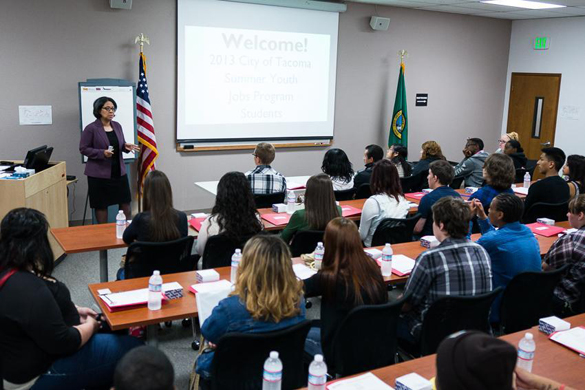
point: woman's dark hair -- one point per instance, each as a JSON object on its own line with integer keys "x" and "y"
{"x": 400, "y": 159}
{"x": 337, "y": 165}
{"x": 24, "y": 243}
{"x": 99, "y": 104}
{"x": 514, "y": 144}
{"x": 346, "y": 262}
{"x": 511, "y": 205}
{"x": 158, "y": 199}
{"x": 320, "y": 207}
{"x": 235, "y": 208}
{"x": 500, "y": 171}
{"x": 385, "y": 179}
{"x": 576, "y": 164}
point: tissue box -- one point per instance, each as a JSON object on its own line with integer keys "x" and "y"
{"x": 413, "y": 381}
{"x": 373, "y": 253}
{"x": 546, "y": 221}
{"x": 470, "y": 190}
{"x": 207, "y": 275}
{"x": 552, "y": 324}
{"x": 279, "y": 208}
{"x": 429, "y": 242}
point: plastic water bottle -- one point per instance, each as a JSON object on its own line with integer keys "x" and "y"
{"x": 387, "y": 260}
{"x": 236, "y": 258}
{"x": 317, "y": 373}
{"x": 290, "y": 202}
{"x": 526, "y": 349}
{"x": 272, "y": 377}
{"x": 526, "y": 180}
{"x": 319, "y": 252}
{"x": 120, "y": 224}
{"x": 155, "y": 291}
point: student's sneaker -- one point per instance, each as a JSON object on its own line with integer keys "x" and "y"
{"x": 138, "y": 331}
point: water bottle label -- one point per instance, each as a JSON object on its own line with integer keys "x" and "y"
{"x": 387, "y": 257}
{"x": 317, "y": 380}
{"x": 235, "y": 263}
{"x": 525, "y": 355}
{"x": 270, "y": 376}
{"x": 155, "y": 287}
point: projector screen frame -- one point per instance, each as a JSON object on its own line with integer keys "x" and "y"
{"x": 222, "y": 145}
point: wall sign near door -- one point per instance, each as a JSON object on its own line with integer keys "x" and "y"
{"x": 541, "y": 43}
{"x": 422, "y": 99}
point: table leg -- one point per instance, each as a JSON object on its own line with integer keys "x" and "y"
{"x": 103, "y": 266}
{"x": 152, "y": 335}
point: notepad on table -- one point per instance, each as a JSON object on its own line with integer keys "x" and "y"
{"x": 277, "y": 219}
{"x": 303, "y": 272}
{"x": 415, "y": 195}
{"x": 402, "y": 265}
{"x": 521, "y": 190}
{"x": 367, "y": 381}
{"x": 545, "y": 230}
{"x": 348, "y": 211}
{"x": 196, "y": 223}
{"x": 128, "y": 299}
{"x": 573, "y": 339}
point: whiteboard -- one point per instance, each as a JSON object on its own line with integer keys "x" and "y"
{"x": 125, "y": 98}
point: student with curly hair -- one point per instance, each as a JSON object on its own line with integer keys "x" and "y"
{"x": 499, "y": 174}
{"x": 339, "y": 169}
{"x": 430, "y": 151}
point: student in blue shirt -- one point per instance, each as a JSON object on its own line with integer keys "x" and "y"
{"x": 512, "y": 248}
{"x": 499, "y": 175}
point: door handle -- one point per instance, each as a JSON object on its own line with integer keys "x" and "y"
{"x": 546, "y": 144}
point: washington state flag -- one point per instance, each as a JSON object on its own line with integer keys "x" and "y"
{"x": 399, "y": 125}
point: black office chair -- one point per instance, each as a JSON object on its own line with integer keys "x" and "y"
{"x": 530, "y": 166}
{"x": 395, "y": 230}
{"x": 142, "y": 258}
{"x": 457, "y": 182}
{"x": 219, "y": 250}
{"x": 363, "y": 192}
{"x": 448, "y": 315}
{"x": 519, "y": 176}
{"x": 527, "y": 298}
{"x": 239, "y": 358}
{"x": 305, "y": 241}
{"x": 344, "y": 194}
{"x": 556, "y": 211}
{"x": 366, "y": 339}
{"x": 415, "y": 183}
{"x": 267, "y": 200}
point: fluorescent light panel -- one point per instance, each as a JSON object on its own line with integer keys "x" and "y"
{"x": 523, "y": 4}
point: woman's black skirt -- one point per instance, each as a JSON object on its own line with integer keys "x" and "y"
{"x": 105, "y": 192}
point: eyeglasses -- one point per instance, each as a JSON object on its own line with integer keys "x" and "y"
{"x": 502, "y": 141}
{"x": 254, "y": 154}
{"x": 109, "y": 109}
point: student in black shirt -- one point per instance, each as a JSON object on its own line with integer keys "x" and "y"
{"x": 46, "y": 341}
{"x": 372, "y": 155}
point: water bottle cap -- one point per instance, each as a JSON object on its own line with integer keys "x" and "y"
{"x": 529, "y": 336}
{"x": 319, "y": 243}
{"x": 318, "y": 358}
{"x": 120, "y": 212}
{"x": 157, "y": 273}
{"x": 274, "y": 355}
{"x": 387, "y": 245}
{"x": 238, "y": 251}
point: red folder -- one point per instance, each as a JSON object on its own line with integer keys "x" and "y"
{"x": 415, "y": 195}
{"x": 545, "y": 230}
{"x": 279, "y": 219}
{"x": 132, "y": 305}
{"x": 348, "y": 211}
{"x": 196, "y": 223}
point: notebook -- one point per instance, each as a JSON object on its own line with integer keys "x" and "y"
{"x": 348, "y": 211}
{"x": 130, "y": 299}
{"x": 573, "y": 339}
{"x": 545, "y": 230}
{"x": 279, "y": 219}
{"x": 415, "y": 195}
{"x": 196, "y": 223}
{"x": 367, "y": 381}
{"x": 303, "y": 272}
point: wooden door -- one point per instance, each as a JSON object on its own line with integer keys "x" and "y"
{"x": 532, "y": 111}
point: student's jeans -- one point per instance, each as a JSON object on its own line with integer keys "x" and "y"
{"x": 313, "y": 342}
{"x": 91, "y": 367}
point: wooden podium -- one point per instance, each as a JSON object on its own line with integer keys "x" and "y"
{"x": 45, "y": 191}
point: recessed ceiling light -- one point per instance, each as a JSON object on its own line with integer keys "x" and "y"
{"x": 523, "y": 4}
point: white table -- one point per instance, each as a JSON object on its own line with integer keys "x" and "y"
{"x": 291, "y": 181}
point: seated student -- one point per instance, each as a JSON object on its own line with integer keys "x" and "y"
{"x": 372, "y": 155}
{"x": 551, "y": 189}
{"x": 499, "y": 174}
{"x": 516, "y": 153}
{"x": 430, "y": 151}
{"x": 471, "y": 167}
{"x": 348, "y": 278}
{"x": 474, "y": 360}
{"x": 320, "y": 208}
{"x": 387, "y": 200}
{"x": 47, "y": 342}
{"x": 264, "y": 179}
{"x": 456, "y": 267}
{"x": 512, "y": 248}
{"x": 574, "y": 171}
{"x": 144, "y": 368}
{"x": 569, "y": 249}
{"x": 441, "y": 174}
{"x": 267, "y": 297}
{"x": 398, "y": 154}
{"x": 234, "y": 212}
{"x": 512, "y": 136}
{"x": 337, "y": 166}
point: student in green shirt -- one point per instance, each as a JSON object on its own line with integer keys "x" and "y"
{"x": 320, "y": 208}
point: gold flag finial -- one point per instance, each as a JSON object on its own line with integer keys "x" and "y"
{"x": 402, "y": 54}
{"x": 142, "y": 39}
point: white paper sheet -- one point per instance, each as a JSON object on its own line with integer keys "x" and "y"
{"x": 134, "y": 297}
{"x": 402, "y": 264}
{"x": 209, "y": 298}
{"x": 572, "y": 338}
{"x": 35, "y": 115}
{"x": 521, "y": 190}
{"x": 303, "y": 272}
{"x": 367, "y": 381}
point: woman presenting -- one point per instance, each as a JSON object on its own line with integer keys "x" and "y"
{"x": 103, "y": 143}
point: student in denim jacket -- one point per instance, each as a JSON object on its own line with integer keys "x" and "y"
{"x": 267, "y": 297}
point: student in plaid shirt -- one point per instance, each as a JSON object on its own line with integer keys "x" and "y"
{"x": 569, "y": 249}
{"x": 456, "y": 267}
{"x": 264, "y": 179}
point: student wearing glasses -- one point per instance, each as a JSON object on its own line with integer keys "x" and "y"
{"x": 103, "y": 143}
{"x": 505, "y": 138}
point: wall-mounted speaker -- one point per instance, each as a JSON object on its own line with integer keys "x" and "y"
{"x": 379, "y": 23}
{"x": 121, "y": 4}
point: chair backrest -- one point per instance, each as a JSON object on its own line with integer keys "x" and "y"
{"x": 142, "y": 258}
{"x": 363, "y": 192}
{"x": 415, "y": 183}
{"x": 527, "y": 298}
{"x": 239, "y": 358}
{"x": 394, "y": 230}
{"x": 451, "y": 314}
{"x": 530, "y": 166}
{"x": 267, "y": 200}
{"x": 556, "y": 211}
{"x": 520, "y": 172}
{"x": 344, "y": 195}
{"x": 356, "y": 350}
{"x": 457, "y": 181}
{"x": 219, "y": 250}
{"x": 305, "y": 241}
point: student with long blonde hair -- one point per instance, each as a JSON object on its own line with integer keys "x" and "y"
{"x": 267, "y": 296}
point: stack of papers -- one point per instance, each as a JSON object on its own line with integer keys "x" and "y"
{"x": 573, "y": 339}
{"x": 366, "y": 381}
{"x": 132, "y": 298}
{"x": 402, "y": 265}
{"x": 303, "y": 272}
{"x": 545, "y": 230}
{"x": 521, "y": 190}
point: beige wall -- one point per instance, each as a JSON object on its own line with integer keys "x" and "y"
{"x": 47, "y": 47}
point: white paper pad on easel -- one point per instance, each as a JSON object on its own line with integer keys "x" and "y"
{"x": 573, "y": 339}
{"x": 367, "y": 381}
{"x": 303, "y": 272}
{"x": 208, "y": 296}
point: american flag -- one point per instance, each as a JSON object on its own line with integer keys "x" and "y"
{"x": 146, "y": 137}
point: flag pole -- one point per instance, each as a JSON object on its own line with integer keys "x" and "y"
{"x": 141, "y": 40}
